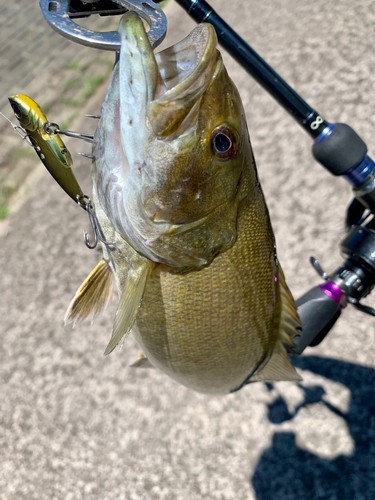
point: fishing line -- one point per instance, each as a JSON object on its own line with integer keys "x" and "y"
{"x": 20, "y": 131}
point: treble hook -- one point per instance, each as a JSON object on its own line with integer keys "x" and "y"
{"x": 95, "y": 225}
{"x": 90, "y": 210}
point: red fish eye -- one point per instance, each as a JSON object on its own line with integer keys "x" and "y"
{"x": 223, "y": 143}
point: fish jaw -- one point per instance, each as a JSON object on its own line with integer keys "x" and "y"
{"x": 156, "y": 177}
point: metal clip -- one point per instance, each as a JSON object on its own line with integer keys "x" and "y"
{"x": 20, "y": 131}
{"x": 57, "y": 15}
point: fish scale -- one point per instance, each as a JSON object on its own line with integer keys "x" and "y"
{"x": 204, "y": 333}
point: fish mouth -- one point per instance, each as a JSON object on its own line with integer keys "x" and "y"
{"x": 174, "y": 79}
{"x": 185, "y": 71}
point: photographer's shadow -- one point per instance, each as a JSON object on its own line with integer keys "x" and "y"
{"x": 286, "y": 472}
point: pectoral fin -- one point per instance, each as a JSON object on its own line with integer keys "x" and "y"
{"x": 130, "y": 302}
{"x": 93, "y": 296}
{"x": 142, "y": 362}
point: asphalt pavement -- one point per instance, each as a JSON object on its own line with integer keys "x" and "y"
{"x": 77, "y": 425}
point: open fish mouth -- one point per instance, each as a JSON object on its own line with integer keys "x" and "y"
{"x": 158, "y": 93}
{"x": 185, "y": 70}
{"x": 188, "y": 58}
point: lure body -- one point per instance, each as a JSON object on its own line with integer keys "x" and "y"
{"x": 49, "y": 147}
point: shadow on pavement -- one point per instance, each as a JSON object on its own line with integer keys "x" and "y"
{"x": 285, "y": 472}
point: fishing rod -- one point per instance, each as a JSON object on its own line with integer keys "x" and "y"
{"x": 336, "y": 146}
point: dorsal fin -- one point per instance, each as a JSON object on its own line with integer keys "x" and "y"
{"x": 130, "y": 301}
{"x": 277, "y": 368}
{"x": 290, "y": 324}
{"x": 93, "y": 296}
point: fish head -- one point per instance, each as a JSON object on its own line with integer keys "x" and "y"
{"x": 197, "y": 125}
{"x": 27, "y": 112}
{"x": 184, "y": 140}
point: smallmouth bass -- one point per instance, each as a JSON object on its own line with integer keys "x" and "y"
{"x": 176, "y": 189}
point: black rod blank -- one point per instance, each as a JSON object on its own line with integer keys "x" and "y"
{"x": 292, "y": 102}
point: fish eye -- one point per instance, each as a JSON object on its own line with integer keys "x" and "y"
{"x": 17, "y": 110}
{"x": 223, "y": 143}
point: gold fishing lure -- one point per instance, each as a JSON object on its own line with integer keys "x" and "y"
{"x": 48, "y": 145}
